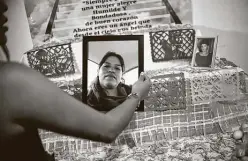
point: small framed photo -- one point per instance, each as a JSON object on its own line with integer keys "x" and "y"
{"x": 111, "y": 65}
{"x": 204, "y": 52}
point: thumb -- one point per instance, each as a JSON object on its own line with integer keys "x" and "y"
{"x": 142, "y": 77}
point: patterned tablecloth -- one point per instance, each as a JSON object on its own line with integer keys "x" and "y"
{"x": 189, "y": 113}
{"x": 211, "y": 147}
{"x": 214, "y": 105}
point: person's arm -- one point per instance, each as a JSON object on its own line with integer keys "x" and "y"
{"x": 32, "y": 100}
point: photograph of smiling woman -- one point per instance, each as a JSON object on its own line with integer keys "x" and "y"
{"x": 111, "y": 66}
{"x": 204, "y": 52}
{"x": 107, "y": 91}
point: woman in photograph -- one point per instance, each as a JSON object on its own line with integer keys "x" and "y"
{"x": 203, "y": 58}
{"x": 29, "y": 101}
{"x": 107, "y": 91}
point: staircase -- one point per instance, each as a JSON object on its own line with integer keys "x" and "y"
{"x": 75, "y": 18}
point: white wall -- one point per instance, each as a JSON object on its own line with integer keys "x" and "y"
{"x": 222, "y": 14}
{"x": 226, "y": 18}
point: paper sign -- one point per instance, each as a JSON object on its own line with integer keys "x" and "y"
{"x": 73, "y": 19}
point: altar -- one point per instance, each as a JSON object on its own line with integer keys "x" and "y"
{"x": 189, "y": 114}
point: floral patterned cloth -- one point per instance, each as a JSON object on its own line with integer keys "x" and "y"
{"x": 210, "y": 147}
{"x": 214, "y": 147}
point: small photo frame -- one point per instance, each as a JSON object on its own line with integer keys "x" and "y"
{"x": 111, "y": 65}
{"x": 204, "y": 52}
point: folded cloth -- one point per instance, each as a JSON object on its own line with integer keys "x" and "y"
{"x": 101, "y": 102}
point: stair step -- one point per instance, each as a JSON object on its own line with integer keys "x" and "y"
{"x": 152, "y": 18}
{"x": 69, "y": 2}
{"x": 62, "y": 16}
{"x": 70, "y": 21}
{"x": 72, "y": 6}
{"x": 66, "y": 2}
{"x": 68, "y": 30}
{"x": 67, "y": 34}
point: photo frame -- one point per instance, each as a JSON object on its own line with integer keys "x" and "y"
{"x": 204, "y": 52}
{"x": 95, "y": 74}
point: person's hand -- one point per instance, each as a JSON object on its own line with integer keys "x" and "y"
{"x": 3, "y": 20}
{"x": 142, "y": 86}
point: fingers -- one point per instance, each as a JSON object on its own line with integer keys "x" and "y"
{"x": 142, "y": 76}
{"x": 3, "y": 20}
{"x": 3, "y": 39}
{"x": 3, "y": 7}
{"x": 147, "y": 79}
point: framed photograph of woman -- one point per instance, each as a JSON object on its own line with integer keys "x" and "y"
{"x": 111, "y": 65}
{"x": 204, "y": 52}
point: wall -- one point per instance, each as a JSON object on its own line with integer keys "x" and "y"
{"x": 226, "y": 18}
{"x": 222, "y": 14}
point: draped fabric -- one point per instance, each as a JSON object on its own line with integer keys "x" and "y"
{"x": 99, "y": 100}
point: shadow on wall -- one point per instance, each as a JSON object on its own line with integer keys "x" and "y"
{"x": 232, "y": 45}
